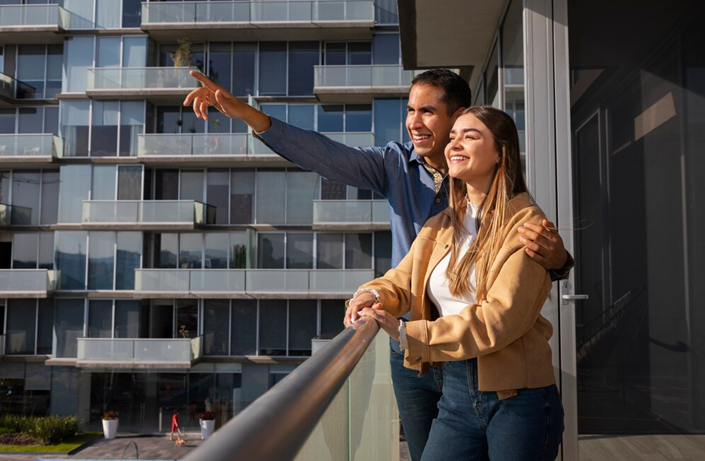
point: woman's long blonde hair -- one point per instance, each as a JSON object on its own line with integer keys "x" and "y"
{"x": 507, "y": 182}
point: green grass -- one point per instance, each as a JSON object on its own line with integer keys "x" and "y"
{"x": 68, "y": 445}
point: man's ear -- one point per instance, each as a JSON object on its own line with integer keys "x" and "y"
{"x": 458, "y": 112}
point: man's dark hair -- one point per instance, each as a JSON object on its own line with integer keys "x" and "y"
{"x": 456, "y": 91}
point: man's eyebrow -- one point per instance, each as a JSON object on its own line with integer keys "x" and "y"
{"x": 424, "y": 108}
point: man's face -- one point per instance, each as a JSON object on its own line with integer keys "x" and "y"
{"x": 428, "y": 121}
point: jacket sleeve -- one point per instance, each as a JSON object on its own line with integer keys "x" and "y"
{"x": 362, "y": 167}
{"x": 511, "y": 309}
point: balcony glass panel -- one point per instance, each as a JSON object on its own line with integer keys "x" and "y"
{"x": 29, "y": 15}
{"x": 339, "y": 280}
{"x": 139, "y": 350}
{"x": 350, "y": 211}
{"x": 163, "y": 350}
{"x": 29, "y": 145}
{"x": 147, "y": 212}
{"x": 168, "y": 280}
{"x": 217, "y": 280}
{"x": 290, "y": 280}
{"x": 270, "y": 11}
{"x": 139, "y": 78}
{"x": 364, "y": 76}
{"x": 25, "y": 280}
{"x": 353, "y": 139}
{"x": 188, "y": 145}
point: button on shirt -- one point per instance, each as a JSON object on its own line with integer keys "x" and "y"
{"x": 393, "y": 171}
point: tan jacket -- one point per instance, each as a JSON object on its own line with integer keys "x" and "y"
{"x": 506, "y": 332}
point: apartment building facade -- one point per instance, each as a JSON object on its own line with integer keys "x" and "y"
{"x": 151, "y": 261}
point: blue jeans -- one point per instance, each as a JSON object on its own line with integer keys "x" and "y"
{"x": 417, "y": 399}
{"x": 475, "y": 425}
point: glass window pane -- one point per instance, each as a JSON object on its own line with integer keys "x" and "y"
{"x": 166, "y": 249}
{"x": 216, "y": 326}
{"x": 385, "y": 48}
{"x": 45, "y": 338}
{"x": 329, "y": 251}
{"x": 358, "y": 251}
{"x": 74, "y": 186}
{"x": 24, "y": 251}
{"x": 330, "y": 118}
{"x": 216, "y": 250}
{"x": 127, "y": 319}
{"x": 134, "y": 49}
{"x": 101, "y": 260}
{"x": 104, "y": 129}
{"x": 192, "y": 182}
{"x": 271, "y": 189}
{"x": 272, "y": 327}
{"x": 241, "y": 196}
{"x": 219, "y": 64}
{"x": 103, "y": 182}
{"x": 129, "y": 185}
{"x": 166, "y": 185}
{"x": 335, "y": 54}
{"x": 272, "y": 68}
{"x": 332, "y": 190}
{"x": 302, "y": 189}
{"x": 244, "y": 327}
{"x": 491, "y": 80}
{"x": 217, "y": 193}
{"x": 108, "y": 51}
{"x": 7, "y": 121}
{"x": 358, "y": 118}
{"x": 129, "y": 253}
{"x": 332, "y": 313}
{"x": 302, "y": 57}
{"x": 51, "y": 120}
{"x": 100, "y": 319}
{"x": 81, "y": 13}
{"x": 383, "y": 252}
{"x": 108, "y": 14}
{"x": 55, "y": 61}
{"x": 169, "y": 120}
{"x": 131, "y": 12}
{"x": 359, "y": 53}
{"x": 244, "y": 58}
{"x": 50, "y": 197}
{"x": 299, "y": 251}
{"x": 388, "y": 121}
{"x": 68, "y": 326}
{"x": 270, "y": 251}
{"x": 71, "y": 259}
{"x": 301, "y": 115}
{"x": 186, "y": 318}
{"x": 29, "y": 120}
{"x": 74, "y": 127}
{"x": 303, "y": 323}
{"x": 46, "y": 250}
{"x": 21, "y": 326}
{"x": 191, "y": 251}
{"x": 131, "y": 126}
{"x": 239, "y": 254}
{"x": 274, "y": 110}
{"x": 25, "y": 197}
{"x": 31, "y": 65}
{"x": 79, "y": 57}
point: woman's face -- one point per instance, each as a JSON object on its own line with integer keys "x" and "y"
{"x": 471, "y": 153}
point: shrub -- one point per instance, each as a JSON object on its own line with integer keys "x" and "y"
{"x": 111, "y": 414}
{"x": 206, "y": 415}
{"x": 49, "y": 430}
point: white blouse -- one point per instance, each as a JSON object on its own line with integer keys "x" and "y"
{"x": 437, "y": 288}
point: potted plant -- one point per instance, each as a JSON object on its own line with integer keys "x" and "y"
{"x": 110, "y": 424}
{"x": 206, "y": 420}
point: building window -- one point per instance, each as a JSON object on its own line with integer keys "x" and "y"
{"x": 39, "y": 68}
{"x": 273, "y": 327}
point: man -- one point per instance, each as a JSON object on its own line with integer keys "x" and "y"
{"x": 411, "y": 176}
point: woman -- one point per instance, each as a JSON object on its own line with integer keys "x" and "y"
{"x": 475, "y": 299}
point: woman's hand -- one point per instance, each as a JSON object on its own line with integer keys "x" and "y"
{"x": 386, "y": 321}
{"x": 358, "y": 303}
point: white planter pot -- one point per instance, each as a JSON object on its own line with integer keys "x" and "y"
{"x": 110, "y": 428}
{"x": 207, "y": 427}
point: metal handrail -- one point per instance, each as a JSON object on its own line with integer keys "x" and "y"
{"x": 294, "y": 406}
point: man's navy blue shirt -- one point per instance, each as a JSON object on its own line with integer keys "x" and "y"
{"x": 394, "y": 171}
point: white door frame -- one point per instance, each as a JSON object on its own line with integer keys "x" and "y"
{"x": 549, "y": 176}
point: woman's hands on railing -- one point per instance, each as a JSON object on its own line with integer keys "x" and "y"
{"x": 386, "y": 321}
{"x": 355, "y": 305}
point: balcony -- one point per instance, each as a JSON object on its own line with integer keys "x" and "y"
{"x": 256, "y": 20}
{"x": 338, "y": 404}
{"x": 29, "y": 24}
{"x": 26, "y": 283}
{"x": 228, "y": 283}
{"x": 138, "y": 353}
{"x": 146, "y": 214}
{"x": 11, "y": 90}
{"x": 351, "y": 215}
{"x": 29, "y": 148}
{"x": 361, "y": 83}
{"x": 158, "y": 84}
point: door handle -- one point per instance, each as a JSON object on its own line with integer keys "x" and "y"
{"x": 573, "y": 297}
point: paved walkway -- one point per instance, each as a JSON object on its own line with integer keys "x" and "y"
{"x": 150, "y": 447}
